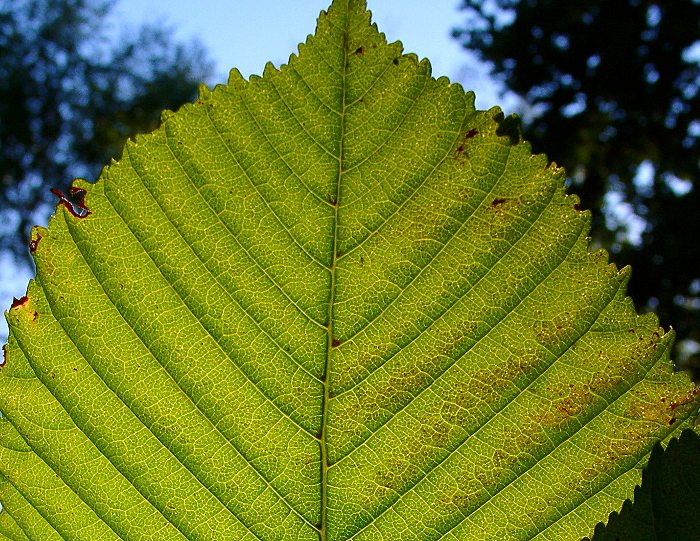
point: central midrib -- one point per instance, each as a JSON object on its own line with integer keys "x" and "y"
{"x": 330, "y": 338}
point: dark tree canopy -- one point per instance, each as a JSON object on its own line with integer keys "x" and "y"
{"x": 612, "y": 86}
{"x": 70, "y": 95}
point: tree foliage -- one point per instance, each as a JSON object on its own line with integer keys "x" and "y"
{"x": 70, "y": 94}
{"x": 612, "y": 86}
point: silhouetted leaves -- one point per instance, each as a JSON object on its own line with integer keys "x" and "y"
{"x": 614, "y": 85}
{"x": 666, "y": 504}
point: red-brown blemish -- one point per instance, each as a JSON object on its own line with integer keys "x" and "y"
{"x": 470, "y": 134}
{"x": 4, "y": 355}
{"x": 35, "y": 315}
{"x": 577, "y": 206}
{"x": 671, "y": 421}
{"x": 82, "y": 211}
{"x": 360, "y": 50}
{"x": 335, "y": 342}
{"x": 498, "y": 202}
{"x": 16, "y": 303}
{"x": 685, "y": 401}
{"x": 34, "y": 243}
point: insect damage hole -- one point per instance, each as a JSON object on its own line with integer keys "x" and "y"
{"x": 74, "y": 201}
{"x": 16, "y": 303}
{"x": 34, "y": 243}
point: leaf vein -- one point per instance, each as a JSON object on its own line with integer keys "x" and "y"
{"x": 45, "y": 461}
{"x": 303, "y": 129}
{"x": 447, "y": 308}
{"x": 262, "y": 198}
{"x": 260, "y": 267}
{"x": 623, "y": 390}
{"x": 181, "y": 297}
{"x": 486, "y": 421}
{"x": 430, "y": 260}
{"x": 203, "y": 413}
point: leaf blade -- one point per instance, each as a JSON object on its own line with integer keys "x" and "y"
{"x": 333, "y": 302}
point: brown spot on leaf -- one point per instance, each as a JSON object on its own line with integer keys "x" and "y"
{"x": 4, "y": 355}
{"x": 16, "y": 303}
{"x": 498, "y": 202}
{"x": 550, "y": 333}
{"x": 469, "y": 135}
{"x": 335, "y": 342}
{"x": 685, "y": 400}
{"x": 360, "y": 50}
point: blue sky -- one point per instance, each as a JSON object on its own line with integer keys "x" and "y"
{"x": 248, "y": 33}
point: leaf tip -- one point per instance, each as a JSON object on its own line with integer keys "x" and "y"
{"x": 573, "y": 198}
{"x": 235, "y": 78}
{"x": 165, "y": 115}
{"x": 203, "y": 92}
{"x": 270, "y": 69}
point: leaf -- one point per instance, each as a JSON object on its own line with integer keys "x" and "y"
{"x": 330, "y": 303}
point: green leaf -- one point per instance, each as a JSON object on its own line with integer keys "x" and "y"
{"x": 332, "y": 303}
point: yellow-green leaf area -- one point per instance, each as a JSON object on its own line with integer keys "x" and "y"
{"x": 334, "y": 302}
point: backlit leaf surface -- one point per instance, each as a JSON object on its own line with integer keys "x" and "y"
{"x": 332, "y": 303}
